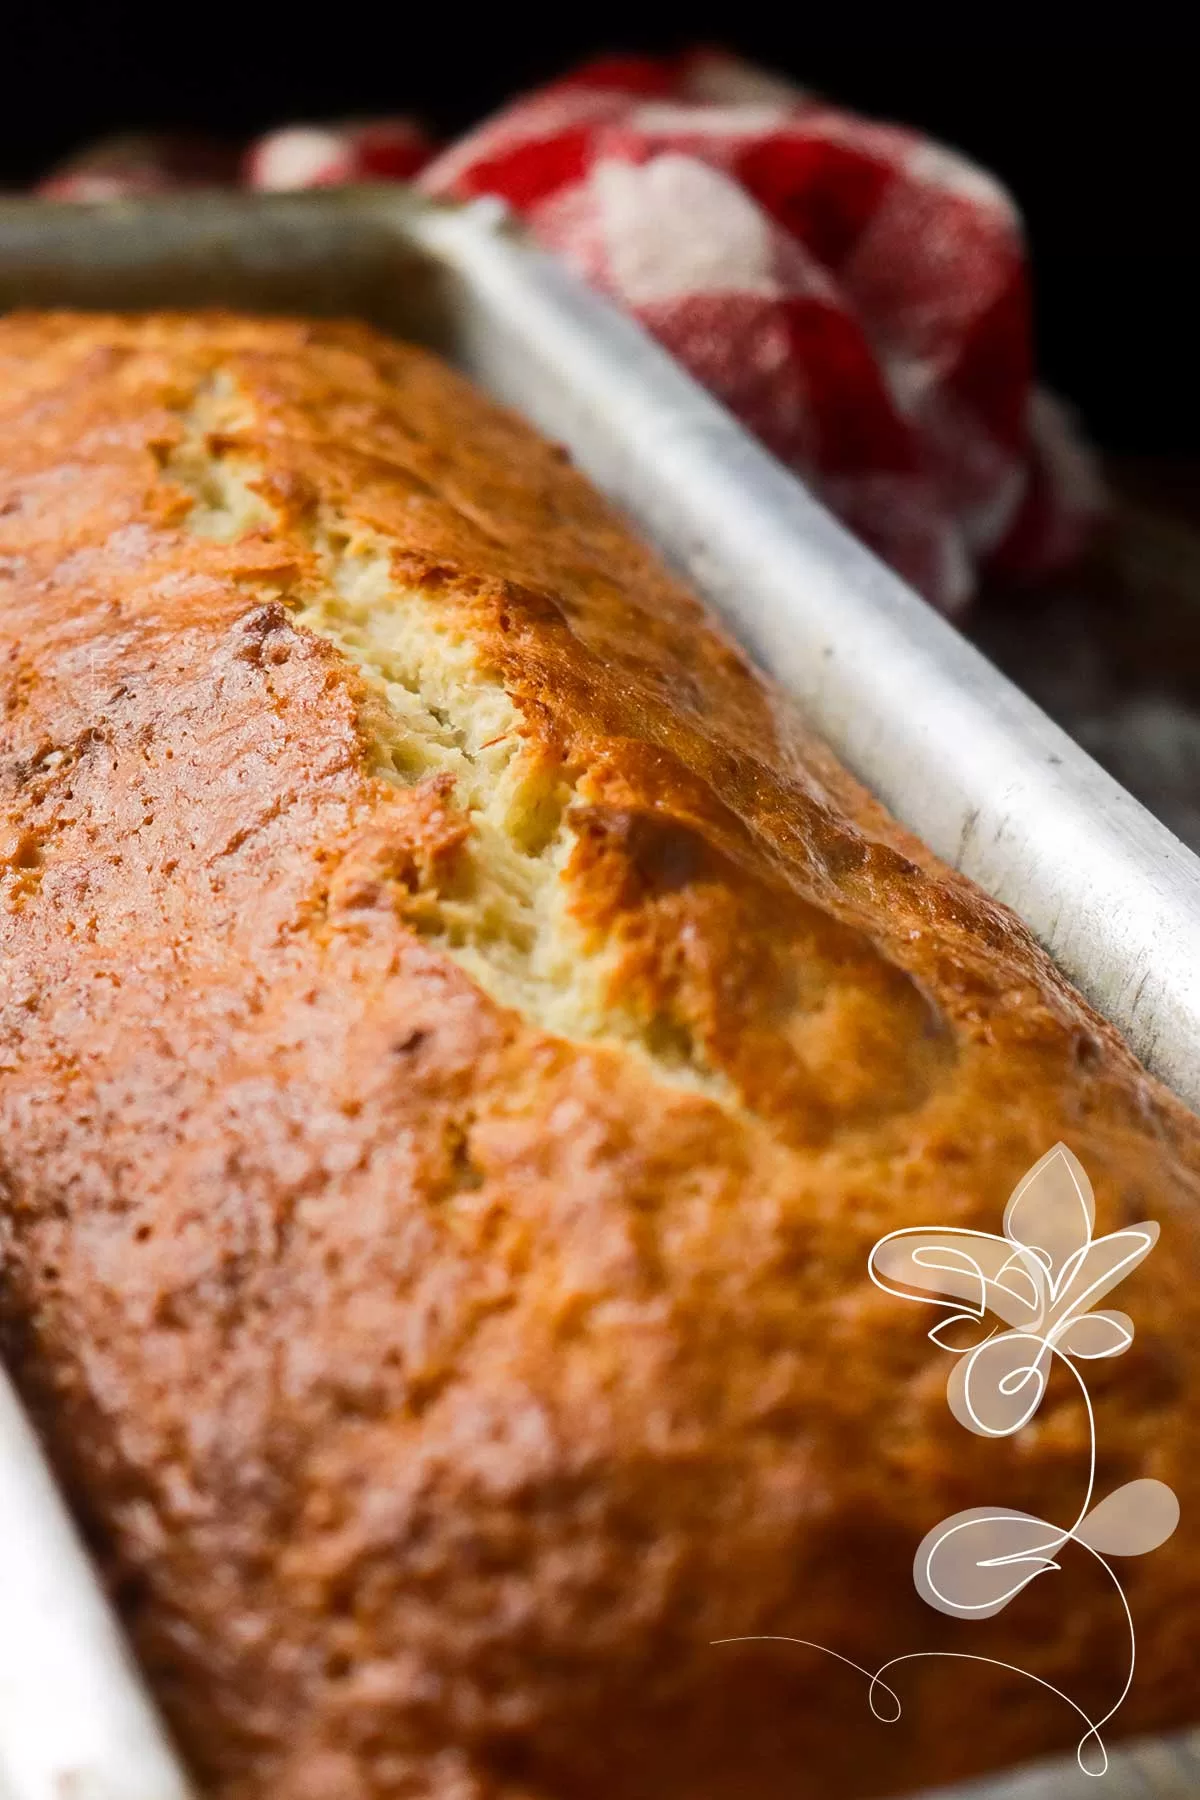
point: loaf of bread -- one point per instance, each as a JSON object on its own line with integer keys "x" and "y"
{"x": 460, "y": 1038}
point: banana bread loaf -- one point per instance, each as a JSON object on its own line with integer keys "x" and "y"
{"x": 460, "y": 1038}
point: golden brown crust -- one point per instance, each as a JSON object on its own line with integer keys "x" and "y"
{"x": 437, "y": 1388}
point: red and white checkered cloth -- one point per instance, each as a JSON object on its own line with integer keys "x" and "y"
{"x": 857, "y": 295}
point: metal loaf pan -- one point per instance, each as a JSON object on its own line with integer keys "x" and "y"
{"x": 947, "y": 743}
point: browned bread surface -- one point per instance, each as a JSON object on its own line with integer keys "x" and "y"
{"x": 460, "y": 1037}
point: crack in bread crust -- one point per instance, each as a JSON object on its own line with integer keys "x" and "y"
{"x": 501, "y": 907}
{"x": 510, "y": 903}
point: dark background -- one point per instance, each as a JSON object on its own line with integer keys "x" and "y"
{"x": 1090, "y": 117}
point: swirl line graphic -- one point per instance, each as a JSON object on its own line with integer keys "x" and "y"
{"x": 1041, "y": 1278}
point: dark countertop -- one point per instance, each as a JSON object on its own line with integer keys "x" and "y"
{"x": 1113, "y": 653}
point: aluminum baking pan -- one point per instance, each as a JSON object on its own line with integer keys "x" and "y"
{"x": 951, "y": 747}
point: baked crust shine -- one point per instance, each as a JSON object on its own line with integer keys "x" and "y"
{"x": 460, "y": 1037}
